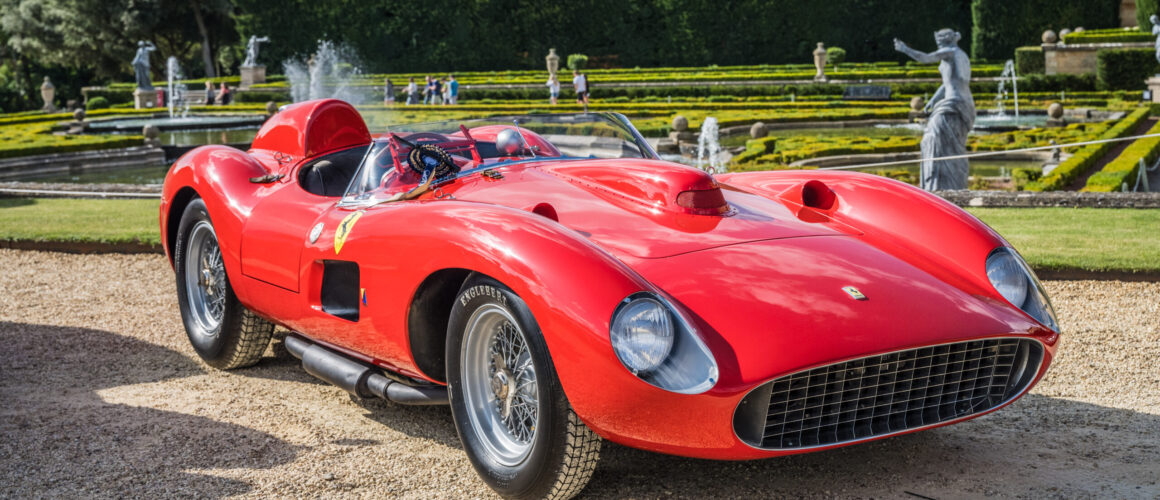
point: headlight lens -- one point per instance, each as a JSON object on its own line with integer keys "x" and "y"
{"x": 1014, "y": 280}
{"x": 659, "y": 345}
{"x": 642, "y": 334}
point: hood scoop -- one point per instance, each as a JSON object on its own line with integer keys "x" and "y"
{"x": 649, "y": 187}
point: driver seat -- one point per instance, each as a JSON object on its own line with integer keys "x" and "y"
{"x": 331, "y": 174}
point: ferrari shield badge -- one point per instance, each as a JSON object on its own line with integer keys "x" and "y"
{"x": 854, "y": 293}
{"x": 344, "y": 229}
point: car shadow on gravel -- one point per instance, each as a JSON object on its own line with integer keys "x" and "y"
{"x": 60, "y": 438}
{"x": 1037, "y": 447}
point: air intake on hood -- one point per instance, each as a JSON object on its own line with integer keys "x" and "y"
{"x": 703, "y": 201}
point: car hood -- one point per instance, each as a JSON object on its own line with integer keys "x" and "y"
{"x": 771, "y": 308}
{"x": 628, "y": 206}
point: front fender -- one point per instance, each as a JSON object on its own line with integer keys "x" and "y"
{"x": 571, "y": 286}
{"x": 902, "y": 220}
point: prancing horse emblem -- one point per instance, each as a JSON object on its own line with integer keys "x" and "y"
{"x": 854, "y": 293}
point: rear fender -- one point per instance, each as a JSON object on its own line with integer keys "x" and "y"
{"x": 220, "y": 176}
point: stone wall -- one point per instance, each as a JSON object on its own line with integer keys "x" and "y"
{"x": 1079, "y": 58}
{"x": 1128, "y": 13}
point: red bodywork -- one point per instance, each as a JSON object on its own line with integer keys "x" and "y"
{"x": 762, "y": 282}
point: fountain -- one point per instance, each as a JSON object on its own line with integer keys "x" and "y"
{"x": 1001, "y": 95}
{"x": 177, "y": 91}
{"x": 709, "y": 148}
{"x": 323, "y": 75}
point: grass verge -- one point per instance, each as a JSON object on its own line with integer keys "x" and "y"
{"x": 1086, "y": 239}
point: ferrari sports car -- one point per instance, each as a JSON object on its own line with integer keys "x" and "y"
{"x": 557, "y": 284}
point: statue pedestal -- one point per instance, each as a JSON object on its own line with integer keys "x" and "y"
{"x": 252, "y": 75}
{"x": 1154, "y": 86}
{"x": 144, "y": 99}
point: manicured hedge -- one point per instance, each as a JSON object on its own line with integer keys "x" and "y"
{"x": 1126, "y": 166}
{"x": 1029, "y": 60}
{"x": 1125, "y": 68}
{"x": 1085, "y": 158}
{"x": 37, "y": 138}
{"x": 1119, "y": 35}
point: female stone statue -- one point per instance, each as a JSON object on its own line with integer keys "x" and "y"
{"x": 1156, "y": 31}
{"x": 952, "y": 113}
{"x": 141, "y": 65}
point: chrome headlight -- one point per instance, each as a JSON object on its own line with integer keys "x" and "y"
{"x": 658, "y": 345}
{"x": 1016, "y": 282}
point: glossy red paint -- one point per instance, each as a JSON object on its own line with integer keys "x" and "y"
{"x": 762, "y": 281}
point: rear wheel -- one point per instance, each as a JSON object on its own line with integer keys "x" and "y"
{"x": 223, "y": 332}
{"x": 513, "y": 418}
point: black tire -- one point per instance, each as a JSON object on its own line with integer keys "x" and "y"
{"x": 564, "y": 452}
{"x": 239, "y": 337}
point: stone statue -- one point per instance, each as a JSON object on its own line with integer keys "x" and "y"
{"x": 252, "y": 50}
{"x": 141, "y": 65}
{"x": 1156, "y": 31}
{"x": 952, "y": 113}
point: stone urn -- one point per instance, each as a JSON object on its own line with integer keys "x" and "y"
{"x": 553, "y": 61}
{"x": 1049, "y": 37}
{"x": 48, "y": 93}
{"x": 820, "y": 62}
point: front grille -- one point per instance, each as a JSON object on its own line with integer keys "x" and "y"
{"x": 886, "y": 394}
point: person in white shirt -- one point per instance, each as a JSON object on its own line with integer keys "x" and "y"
{"x": 554, "y": 88}
{"x": 580, "y": 82}
{"x": 412, "y": 89}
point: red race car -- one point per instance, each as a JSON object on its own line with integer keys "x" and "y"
{"x": 557, "y": 284}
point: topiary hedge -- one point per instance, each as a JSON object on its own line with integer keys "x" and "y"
{"x": 1125, "y": 68}
{"x": 1126, "y": 166}
{"x": 1085, "y": 158}
{"x": 1002, "y": 25}
{"x": 1029, "y": 60}
{"x": 1118, "y": 35}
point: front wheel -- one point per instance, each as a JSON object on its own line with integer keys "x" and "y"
{"x": 223, "y": 332}
{"x": 511, "y": 414}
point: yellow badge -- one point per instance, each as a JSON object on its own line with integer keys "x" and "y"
{"x": 854, "y": 293}
{"x": 343, "y": 230}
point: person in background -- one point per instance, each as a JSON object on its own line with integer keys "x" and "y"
{"x": 580, "y": 82}
{"x": 428, "y": 91}
{"x": 388, "y": 92}
{"x": 412, "y": 89}
{"x": 446, "y": 91}
{"x": 224, "y": 97}
{"x": 209, "y": 93}
{"x": 453, "y": 87}
{"x": 553, "y": 88}
{"x": 436, "y": 91}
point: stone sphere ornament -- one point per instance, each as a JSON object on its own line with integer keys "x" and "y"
{"x": 758, "y": 130}
{"x": 1055, "y": 110}
{"x": 271, "y": 108}
{"x": 1063, "y": 33}
{"x": 150, "y": 131}
{"x": 916, "y": 103}
{"x": 1049, "y": 37}
{"x": 680, "y": 123}
{"x": 79, "y": 114}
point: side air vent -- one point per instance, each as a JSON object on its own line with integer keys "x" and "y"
{"x": 340, "y": 289}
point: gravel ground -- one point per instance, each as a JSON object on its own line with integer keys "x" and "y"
{"x": 101, "y": 396}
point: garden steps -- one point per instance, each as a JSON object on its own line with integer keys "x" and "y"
{"x": 1113, "y": 153}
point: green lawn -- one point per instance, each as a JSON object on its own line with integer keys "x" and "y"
{"x": 1093, "y": 239}
{"x": 58, "y": 219}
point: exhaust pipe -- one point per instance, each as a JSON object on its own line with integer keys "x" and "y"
{"x": 357, "y": 378}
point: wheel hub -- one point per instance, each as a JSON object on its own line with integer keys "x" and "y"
{"x": 501, "y": 384}
{"x": 207, "y": 281}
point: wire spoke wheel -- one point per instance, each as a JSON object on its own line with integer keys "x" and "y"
{"x": 500, "y": 384}
{"x": 205, "y": 279}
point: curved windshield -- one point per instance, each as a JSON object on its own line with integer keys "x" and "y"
{"x": 411, "y": 155}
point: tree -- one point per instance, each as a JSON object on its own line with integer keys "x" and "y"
{"x": 102, "y": 35}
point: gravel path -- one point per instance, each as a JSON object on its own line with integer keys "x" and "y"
{"x": 101, "y": 396}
